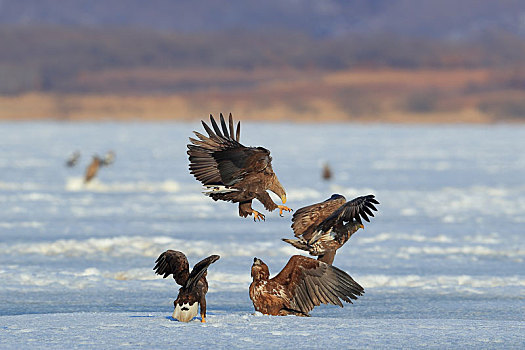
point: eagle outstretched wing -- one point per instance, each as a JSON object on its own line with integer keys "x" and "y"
{"x": 306, "y": 219}
{"x": 312, "y": 282}
{"x": 203, "y": 165}
{"x": 354, "y": 210}
{"x": 173, "y": 262}
{"x": 176, "y": 263}
{"x": 199, "y": 270}
{"x": 235, "y": 163}
{"x": 220, "y": 159}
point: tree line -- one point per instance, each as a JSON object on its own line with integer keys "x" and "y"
{"x": 53, "y": 58}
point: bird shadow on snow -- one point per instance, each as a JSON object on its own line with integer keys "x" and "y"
{"x": 170, "y": 318}
{"x": 175, "y": 320}
{"x": 135, "y": 316}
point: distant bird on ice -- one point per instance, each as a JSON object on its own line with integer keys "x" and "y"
{"x": 194, "y": 284}
{"x": 96, "y": 163}
{"x": 324, "y": 227}
{"x": 92, "y": 169}
{"x": 327, "y": 172}
{"x": 232, "y": 172}
{"x": 73, "y": 159}
{"x": 301, "y": 285}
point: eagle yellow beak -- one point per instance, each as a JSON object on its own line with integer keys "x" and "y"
{"x": 283, "y": 198}
{"x": 361, "y": 226}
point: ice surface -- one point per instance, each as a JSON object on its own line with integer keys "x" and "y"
{"x": 442, "y": 263}
{"x": 225, "y": 330}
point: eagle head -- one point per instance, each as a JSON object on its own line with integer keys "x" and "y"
{"x": 353, "y": 226}
{"x": 276, "y": 187}
{"x": 260, "y": 270}
{"x": 335, "y": 196}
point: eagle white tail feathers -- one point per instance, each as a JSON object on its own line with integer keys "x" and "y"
{"x": 185, "y": 312}
{"x": 211, "y": 189}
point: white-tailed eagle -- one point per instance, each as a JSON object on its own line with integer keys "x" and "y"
{"x": 194, "y": 285}
{"x": 301, "y": 285}
{"x": 233, "y": 172}
{"x": 324, "y": 227}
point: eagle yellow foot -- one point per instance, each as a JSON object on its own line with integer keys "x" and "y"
{"x": 257, "y": 216}
{"x": 203, "y": 319}
{"x": 281, "y": 208}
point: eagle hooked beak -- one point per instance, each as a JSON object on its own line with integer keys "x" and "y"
{"x": 361, "y": 226}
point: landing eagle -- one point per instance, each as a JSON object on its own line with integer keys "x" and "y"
{"x": 324, "y": 227}
{"x": 232, "y": 172}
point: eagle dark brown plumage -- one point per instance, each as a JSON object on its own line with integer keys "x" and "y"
{"x": 327, "y": 172}
{"x": 194, "y": 285}
{"x": 92, "y": 169}
{"x": 232, "y": 172}
{"x": 96, "y": 164}
{"x": 301, "y": 285}
{"x": 324, "y": 227}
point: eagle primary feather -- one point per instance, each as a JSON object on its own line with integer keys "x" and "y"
{"x": 233, "y": 172}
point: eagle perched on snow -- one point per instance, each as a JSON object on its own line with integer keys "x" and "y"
{"x": 232, "y": 172}
{"x": 194, "y": 284}
{"x": 301, "y": 285}
{"x": 324, "y": 227}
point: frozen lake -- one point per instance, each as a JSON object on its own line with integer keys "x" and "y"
{"x": 442, "y": 263}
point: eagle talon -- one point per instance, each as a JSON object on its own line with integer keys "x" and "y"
{"x": 258, "y": 216}
{"x": 281, "y": 208}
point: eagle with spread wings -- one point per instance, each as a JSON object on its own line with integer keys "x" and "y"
{"x": 194, "y": 285}
{"x": 233, "y": 172}
{"x": 324, "y": 227}
{"x": 301, "y": 285}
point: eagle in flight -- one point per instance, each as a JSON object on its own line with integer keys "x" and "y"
{"x": 324, "y": 227}
{"x": 233, "y": 172}
{"x": 301, "y": 285}
{"x": 194, "y": 284}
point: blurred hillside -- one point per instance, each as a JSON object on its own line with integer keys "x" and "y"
{"x": 295, "y": 59}
{"x": 439, "y": 18}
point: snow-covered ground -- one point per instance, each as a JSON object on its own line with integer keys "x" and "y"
{"x": 442, "y": 263}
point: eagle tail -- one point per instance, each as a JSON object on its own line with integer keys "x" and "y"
{"x": 216, "y": 189}
{"x": 297, "y": 243}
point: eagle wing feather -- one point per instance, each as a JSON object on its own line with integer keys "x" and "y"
{"x": 312, "y": 282}
{"x": 353, "y": 210}
{"x": 199, "y": 270}
{"x": 175, "y": 263}
{"x": 219, "y": 158}
{"x": 306, "y": 219}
